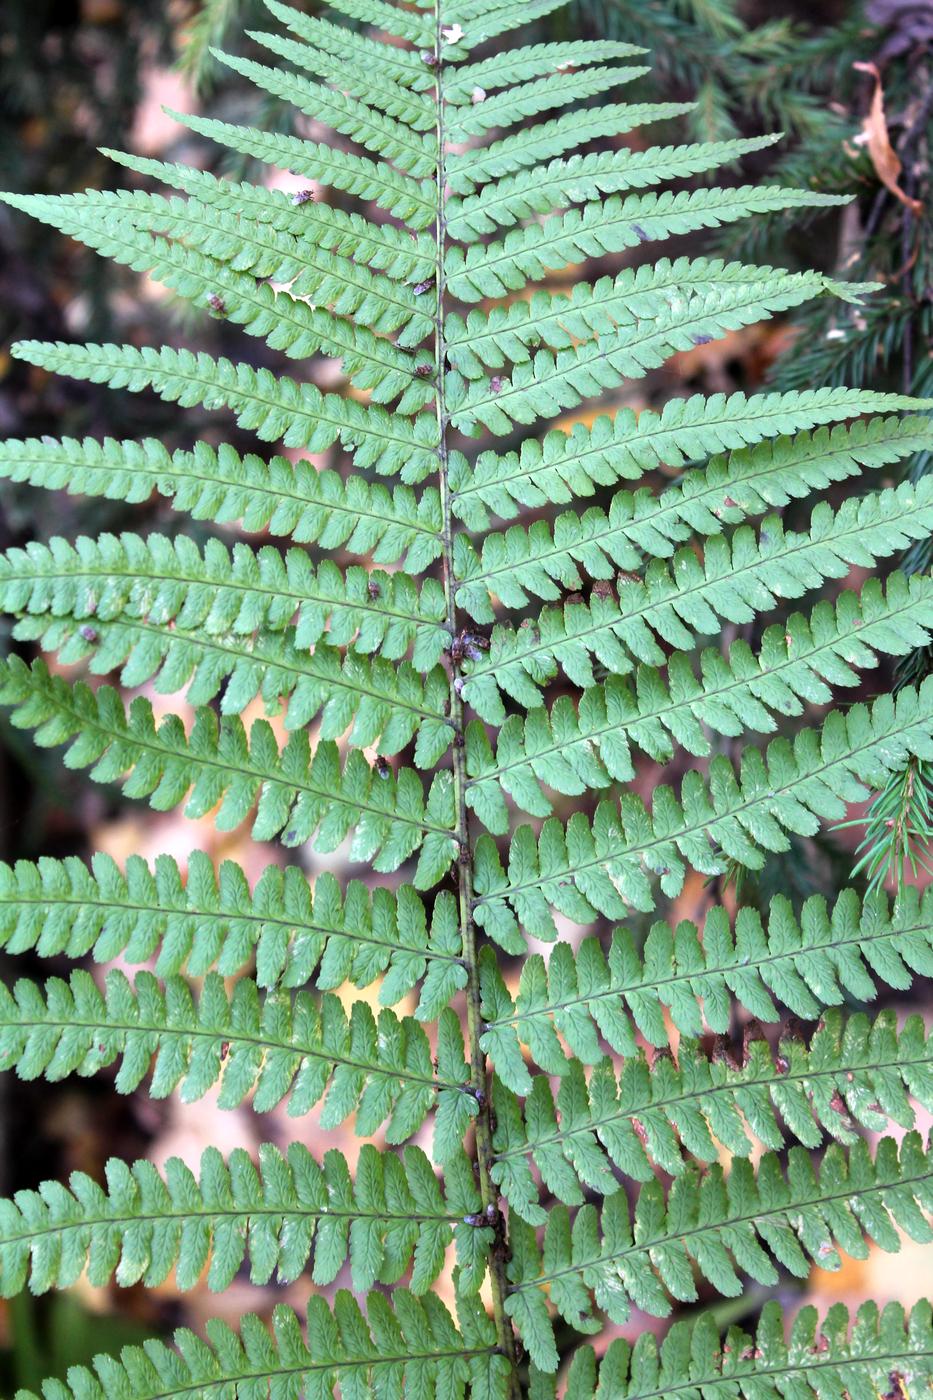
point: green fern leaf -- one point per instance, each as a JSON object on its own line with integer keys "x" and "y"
{"x": 577, "y": 750}
{"x": 285, "y": 322}
{"x": 225, "y": 591}
{"x": 399, "y": 194}
{"x": 274, "y": 407}
{"x": 410, "y": 151}
{"x": 410, "y": 1346}
{"x": 384, "y": 247}
{"x": 821, "y": 1360}
{"x": 607, "y": 226}
{"x": 853, "y": 1072}
{"x": 575, "y": 179}
{"x": 400, "y": 66}
{"x": 534, "y": 61}
{"x": 563, "y": 466}
{"x": 472, "y": 178}
{"x": 805, "y": 964}
{"x": 471, "y": 168}
{"x": 644, "y": 1259}
{"x": 147, "y": 1224}
{"x": 212, "y": 919}
{"x": 476, "y": 115}
{"x": 489, "y": 340}
{"x": 738, "y": 577}
{"x": 272, "y": 1048}
{"x": 373, "y": 85}
{"x": 284, "y": 498}
{"x": 296, "y": 793}
{"x": 605, "y": 866}
{"x": 547, "y": 384}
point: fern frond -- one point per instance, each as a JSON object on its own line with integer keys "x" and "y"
{"x": 408, "y": 199}
{"x": 145, "y": 1224}
{"x": 372, "y": 703}
{"x": 588, "y": 748}
{"x": 606, "y": 226}
{"x": 606, "y": 865}
{"x": 299, "y": 1047}
{"x": 382, "y": 246}
{"x": 820, "y": 1361}
{"x": 576, "y": 179}
{"x": 694, "y": 978}
{"x": 402, "y": 66}
{"x": 703, "y": 501}
{"x": 474, "y": 180}
{"x": 547, "y": 384}
{"x": 373, "y": 85}
{"x": 485, "y": 341}
{"x": 490, "y": 21}
{"x": 407, "y": 1346}
{"x": 364, "y": 303}
{"x": 477, "y": 115}
{"x": 274, "y": 407}
{"x": 288, "y": 499}
{"x": 546, "y": 140}
{"x": 853, "y": 1072}
{"x": 295, "y": 792}
{"x": 410, "y": 151}
{"x": 739, "y": 577}
{"x": 716, "y": 1225}
{"x": 212, "y": 919}
{"x": 418, "y": 29}
{"x": 561, "y": 465}
{"x": 227, "y": 591}
{"x": 533, "y": 61}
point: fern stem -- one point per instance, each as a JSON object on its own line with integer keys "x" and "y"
{"x": 464, "y": 866}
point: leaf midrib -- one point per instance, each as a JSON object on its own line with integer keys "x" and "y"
{"x": 227, "y": 1035}
{"x": 301, "y": 1211}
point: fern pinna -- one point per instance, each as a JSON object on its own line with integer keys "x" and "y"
{"x": 472, "y": 704}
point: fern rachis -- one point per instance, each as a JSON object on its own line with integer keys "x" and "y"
{"x": 474, "y": 664}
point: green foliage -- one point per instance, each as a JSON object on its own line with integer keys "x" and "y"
{"x": 407, "y": 1347}
{"x": 147, "y": 1223}
{"x": 695, "y": 976}
{"x": 715, "y": 1224}
{"x": 654, "y": 624}
{"x": 853, "y": 1072}
{"x": 211, "y": 918}
{"x": 822, "y": 1359}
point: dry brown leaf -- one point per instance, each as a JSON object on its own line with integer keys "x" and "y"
{"x": 884, "y": 158}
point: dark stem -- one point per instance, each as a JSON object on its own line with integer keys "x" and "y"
{"x": 478, "y": 1068}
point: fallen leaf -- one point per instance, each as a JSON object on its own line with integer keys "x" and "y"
{"x": 875, "y": 135}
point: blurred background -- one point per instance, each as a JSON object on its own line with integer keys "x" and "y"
{"x": 851, "y": 86}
